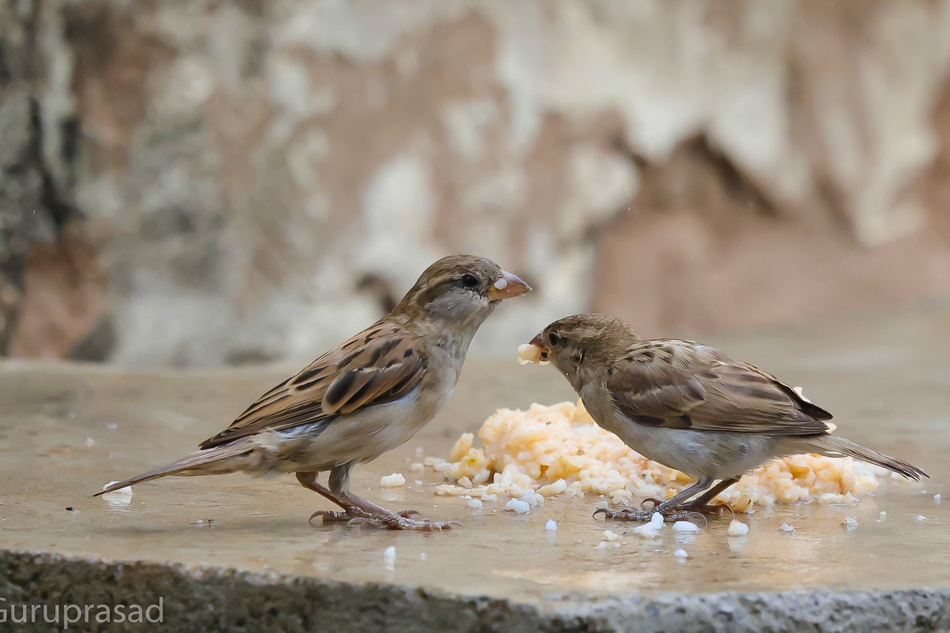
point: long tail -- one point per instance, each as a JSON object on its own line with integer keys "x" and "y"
{"x": 205, "y": 462}
{"x": 836, "y": 446}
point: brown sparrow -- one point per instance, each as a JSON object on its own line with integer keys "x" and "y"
{"x": 689, "y": 406}
{"x": 363, "y": 398}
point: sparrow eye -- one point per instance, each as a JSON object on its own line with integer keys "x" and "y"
{"x": 469, "y": 281}
{"x": 553, "y": 339}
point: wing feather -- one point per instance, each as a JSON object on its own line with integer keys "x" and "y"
{"x": 378, "y": 365}
{"x": 681, "y": 384}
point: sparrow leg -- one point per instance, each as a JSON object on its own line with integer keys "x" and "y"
{"x": 360, "y": 511}
{"x": 309, "y": 481}
{"x": 351, "y": 512}
{"x": 663, "y": 508}
{"x": 376, "y": 515}
{"x": 701, "y": 503}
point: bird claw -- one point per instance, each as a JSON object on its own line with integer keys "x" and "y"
{"x": 402, "y": 520}
{"x": 348, "y": 516}
{"x": 328, "y": 516}
{"x": 624, "y": 515}
{"x": 399, "y": 522}
{"x": 627, "y": 514}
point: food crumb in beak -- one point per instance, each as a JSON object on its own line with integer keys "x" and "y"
{"x": 502, "y": 283}
{"x": 531, "y": 353}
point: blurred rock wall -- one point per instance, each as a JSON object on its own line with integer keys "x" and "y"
{"x": 196, "y": 182}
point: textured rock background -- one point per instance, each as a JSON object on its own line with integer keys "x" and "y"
{"x": 199, "y": 182}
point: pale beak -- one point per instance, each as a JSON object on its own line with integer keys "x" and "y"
{"x": 507, "y": 286}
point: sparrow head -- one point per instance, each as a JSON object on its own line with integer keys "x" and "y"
{"x": 460, "y": 289}
{"x": 583, "y": 343}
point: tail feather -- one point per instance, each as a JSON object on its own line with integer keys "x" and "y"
{"x": 202, "y": 462}
{"x": 836, "y": 446}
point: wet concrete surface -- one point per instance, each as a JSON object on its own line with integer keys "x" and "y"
{"x": 65, "y": 430}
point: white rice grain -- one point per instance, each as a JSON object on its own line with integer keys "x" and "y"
{"x": 395, "y": 480}
{"x": 738, "y": 528}
{"x": 685, "y": 526}
{"x": 517, "y": 506}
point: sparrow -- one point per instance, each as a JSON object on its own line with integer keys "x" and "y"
{"x": 690, "y": 407}
{"x": 363, "y": 398}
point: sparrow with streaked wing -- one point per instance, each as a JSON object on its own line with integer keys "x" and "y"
{"x": 363, "y": 398}
{"x": 690, "y": 407}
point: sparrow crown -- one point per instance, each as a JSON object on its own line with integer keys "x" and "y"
{"x": 458, "y": 291}
{"x": 595, "y": 338}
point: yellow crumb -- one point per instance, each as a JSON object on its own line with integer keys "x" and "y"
{"x": 530, "y": 353}
{"x": 560, "y": 450}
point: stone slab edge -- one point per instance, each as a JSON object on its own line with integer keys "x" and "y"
{"x": 214, "y": 599}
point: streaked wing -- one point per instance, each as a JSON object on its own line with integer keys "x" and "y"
{"x": 684, "y": 385}
{"x": 378, "y": 365}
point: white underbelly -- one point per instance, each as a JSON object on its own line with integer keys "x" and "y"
{"x": 358, "y": 437}
{"x": 698, "y": 453}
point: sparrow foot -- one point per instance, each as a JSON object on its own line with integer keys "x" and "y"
{"x": 706, "y": 509}
{"x": 328, "y": 516}
{"x": 627, "y": 514}
{"x": 399, "y": 521}
{"x": 352, "y": 516}
{"x": 402, "y": 520}
{"x": 423, "y": 525}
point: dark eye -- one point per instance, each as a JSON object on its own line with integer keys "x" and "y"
{"x": 553, "y": 339}
{"x": 469, "y": 281}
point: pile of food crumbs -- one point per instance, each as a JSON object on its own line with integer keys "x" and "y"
{"x": 560, "y": 450}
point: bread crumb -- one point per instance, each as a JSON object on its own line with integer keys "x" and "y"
{"x": 518, "y": 506}
{"x": 551, "y": 525}
{"x": 685, "y": 526}
{"x": 394, "y": 480}
{"x": 646, "y": 531}
{"x": 530, "y": 353}
{"x": 119, "y": 497}
{"x": 738, "y": 528}
{"x": 389, "y": 558}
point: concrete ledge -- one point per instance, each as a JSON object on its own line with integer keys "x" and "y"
{"x": 211, "y": 599}
{"x": 67, "y": 429}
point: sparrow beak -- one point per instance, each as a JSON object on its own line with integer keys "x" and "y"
{"x": 507, "y": 286}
